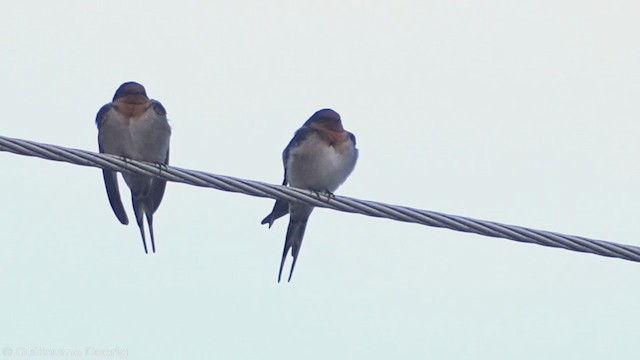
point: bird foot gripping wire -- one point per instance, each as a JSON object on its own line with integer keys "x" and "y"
{"x": 328, "y": 194}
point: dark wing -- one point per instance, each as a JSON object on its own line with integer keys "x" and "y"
{"x": 157, "y": 106}
{"x": 156, "y": 191}
{"x": 111, "y": 177}
{"x": 281, "y": 208}
{"x": 101, "y": 113}
{"x": 352, "y": 137}
{"x": 111, "y": 184}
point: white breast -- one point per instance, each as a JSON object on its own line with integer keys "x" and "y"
{"x": 317, "y": 166}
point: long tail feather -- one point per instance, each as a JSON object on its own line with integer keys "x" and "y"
{"x": 295, "y": 234}
{"x": 149, "y": 216}
{"x": 139, "y": 210}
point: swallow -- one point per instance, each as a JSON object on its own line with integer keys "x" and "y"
{"x": 320, "y": 157}
{"x": 135, "y": 127}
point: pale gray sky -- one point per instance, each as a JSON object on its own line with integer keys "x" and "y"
{"x": 519, "y": 112}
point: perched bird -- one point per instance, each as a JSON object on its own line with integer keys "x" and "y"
{"x": 135, "y": 127}
{"x": 319, "y": 158}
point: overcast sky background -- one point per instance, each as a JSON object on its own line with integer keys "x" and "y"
{"x": 518, "y": 112}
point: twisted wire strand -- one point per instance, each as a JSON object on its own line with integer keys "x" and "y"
{"x": 340, "y": 203}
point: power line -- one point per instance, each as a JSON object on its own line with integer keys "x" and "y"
{"x": 340, "y": 203}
